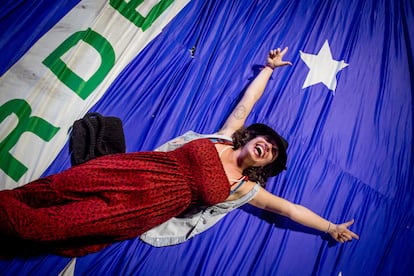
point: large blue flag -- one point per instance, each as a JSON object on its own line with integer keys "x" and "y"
{"x": 345, "y": 106}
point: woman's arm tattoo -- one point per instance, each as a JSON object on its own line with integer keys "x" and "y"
{"x": 240, "y": 112}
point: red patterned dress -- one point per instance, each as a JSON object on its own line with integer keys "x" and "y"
{"x": 109, "y": 199}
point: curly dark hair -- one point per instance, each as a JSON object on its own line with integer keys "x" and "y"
{"x": 260, "y": 174}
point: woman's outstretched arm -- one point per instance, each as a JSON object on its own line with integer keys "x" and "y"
{"x": 253, "y": 92}
{"x": 300, "y": 214}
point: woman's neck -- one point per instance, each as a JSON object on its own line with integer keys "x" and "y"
{"x": 231, "y": 162}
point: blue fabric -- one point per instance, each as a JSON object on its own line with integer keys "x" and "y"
{"x": 23, "y": 22}
{"x": 350, "y": 155}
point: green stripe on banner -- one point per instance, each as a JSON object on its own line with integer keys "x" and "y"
{"x": 65, "y": 73}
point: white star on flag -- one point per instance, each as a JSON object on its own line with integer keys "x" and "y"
{"x": 322, "y": 68}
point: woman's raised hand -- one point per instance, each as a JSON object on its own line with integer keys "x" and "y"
{"x": 275, "y": 58}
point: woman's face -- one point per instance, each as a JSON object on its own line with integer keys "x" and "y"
{"x": 260, "y": 151}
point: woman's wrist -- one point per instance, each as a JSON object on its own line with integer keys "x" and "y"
{"x": 331, "y": 228}
{"x": 270, "y": 66}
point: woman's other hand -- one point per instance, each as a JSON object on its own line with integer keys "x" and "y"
{"x": 341, "y": 233}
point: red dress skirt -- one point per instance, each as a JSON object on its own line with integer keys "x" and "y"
{"x": 109, "y": 199}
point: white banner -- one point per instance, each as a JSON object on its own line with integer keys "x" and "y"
{"x": 64, "y": 74}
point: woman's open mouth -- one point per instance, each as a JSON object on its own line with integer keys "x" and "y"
{"x": 260, "y": 149}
